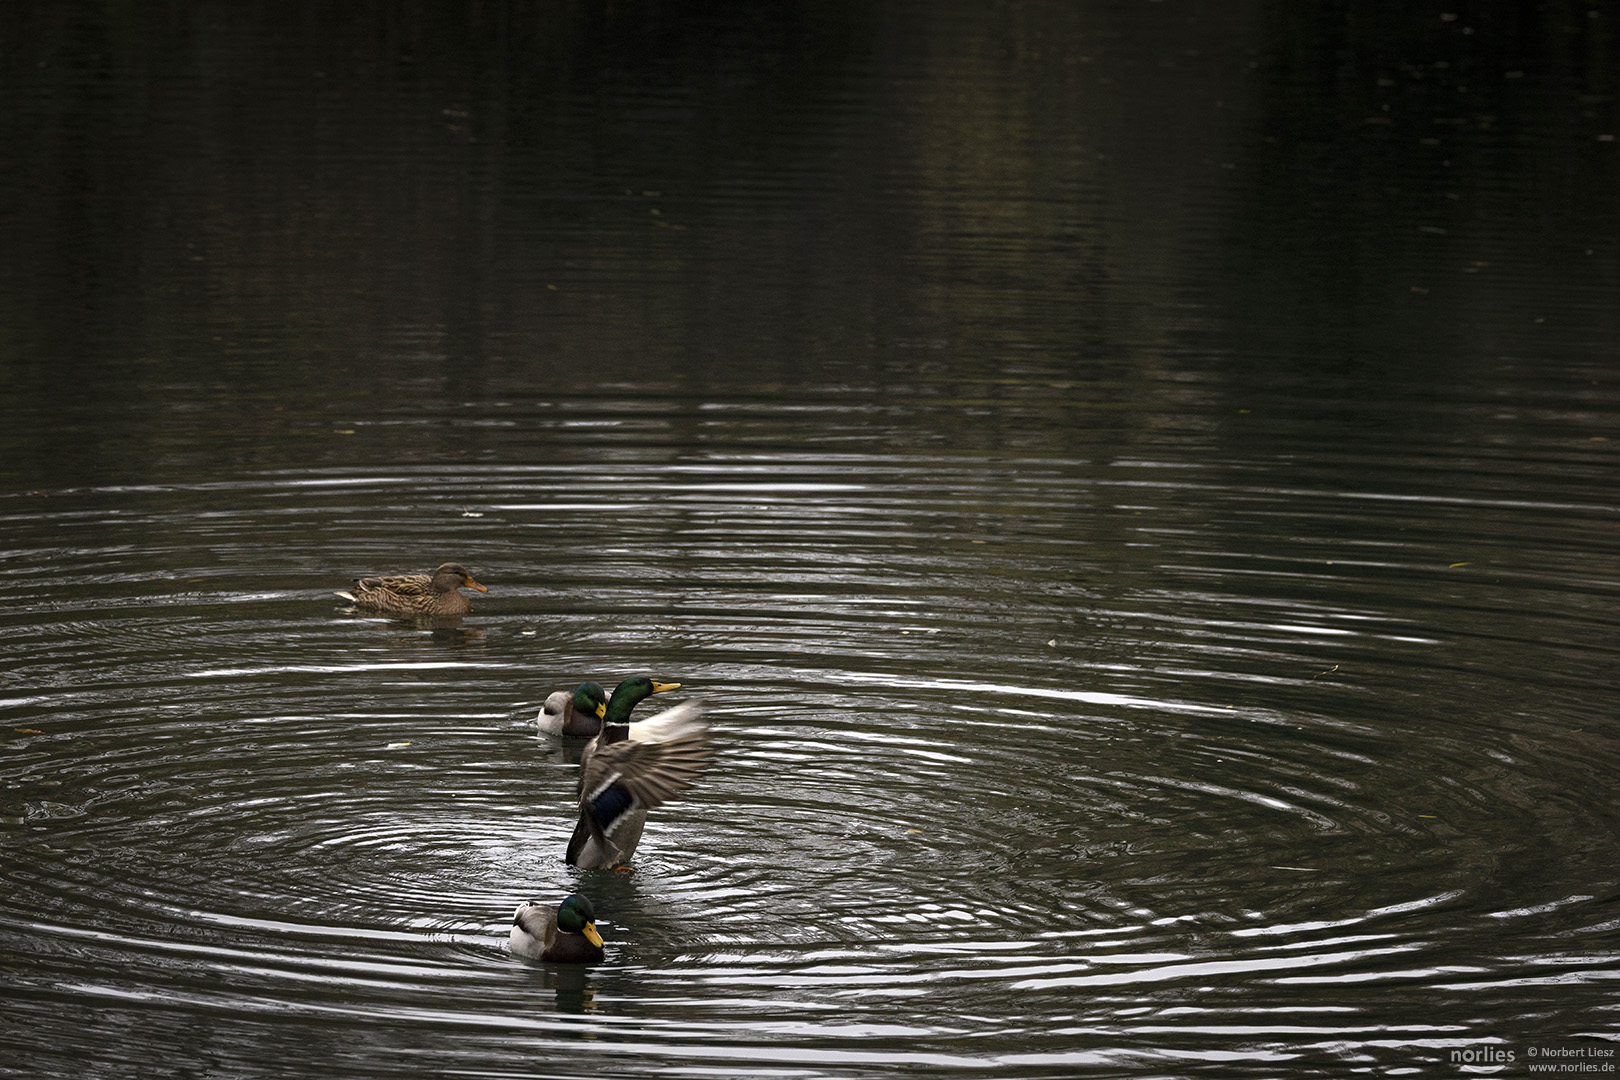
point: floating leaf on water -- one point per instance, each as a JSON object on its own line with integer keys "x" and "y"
{"x": 1454, "y": 565}
{"x": 399, "y": 745}
{"x": 27, "y": 731}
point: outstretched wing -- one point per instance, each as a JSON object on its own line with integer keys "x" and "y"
{"x": 671, "y": 724}
{"x": 639, "y": 775}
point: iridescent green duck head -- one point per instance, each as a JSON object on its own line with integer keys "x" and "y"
{"x": 630, "y": 693}
{"x": 575, "y": 915}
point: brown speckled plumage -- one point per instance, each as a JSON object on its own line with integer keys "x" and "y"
{"x": 417, "y": 594}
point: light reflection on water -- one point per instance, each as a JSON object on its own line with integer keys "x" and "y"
{"x": 1153, "y": 623}
{"x": 1189, "y": 829}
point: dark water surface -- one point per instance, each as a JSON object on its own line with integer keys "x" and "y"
{"x": 1137, "y": 484}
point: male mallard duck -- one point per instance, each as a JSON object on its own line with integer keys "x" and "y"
{"x": 565, "y": 934}
{"x": 631, "y": 768}
{"x": 579, "y": 713}
{"x": 417, "y": 594}
{"x": 616, "y": 725}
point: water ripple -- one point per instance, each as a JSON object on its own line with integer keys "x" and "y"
{"x": 1107, "y": 800}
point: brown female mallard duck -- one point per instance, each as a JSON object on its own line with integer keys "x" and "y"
{"x": 417, "y": 594}
{"x": 631, "y": 768}
{"x": 565, "y": 934}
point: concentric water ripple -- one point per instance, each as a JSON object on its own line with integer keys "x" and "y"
{"x": 1177, "y": 809}
{"x": 1135, "y": 484}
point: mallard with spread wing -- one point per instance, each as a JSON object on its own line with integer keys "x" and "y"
{"x": 631, "y": 768}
